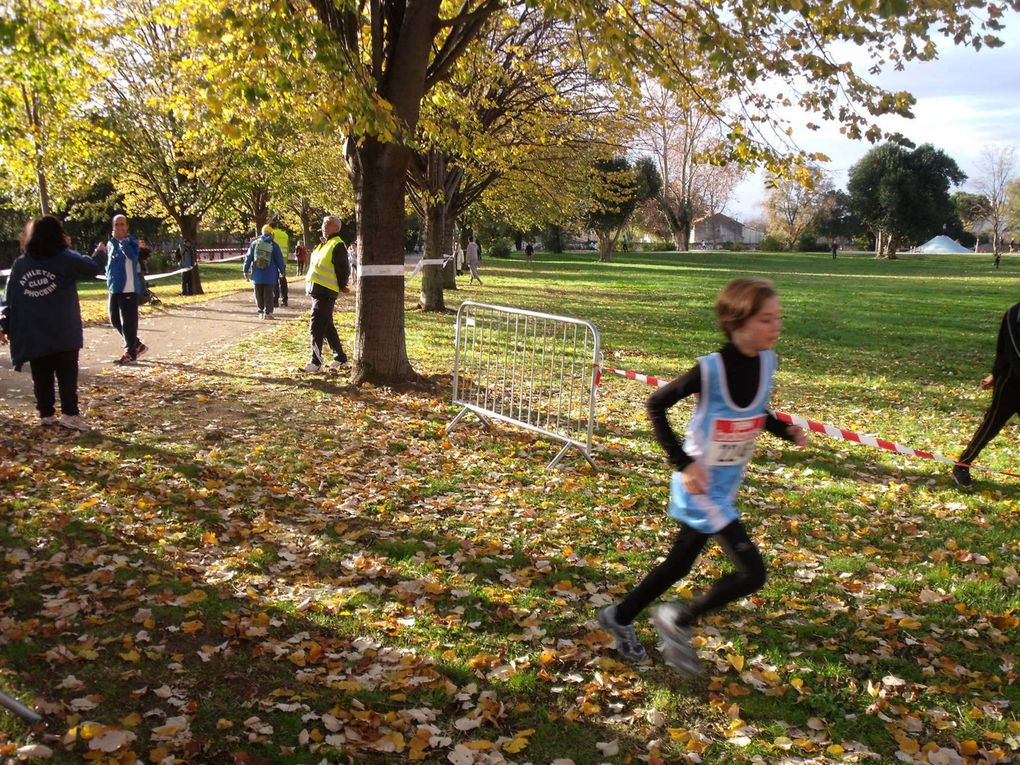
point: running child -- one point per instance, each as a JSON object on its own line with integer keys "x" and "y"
{"x": 733, "y": 386}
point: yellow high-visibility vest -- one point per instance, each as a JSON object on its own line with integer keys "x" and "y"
{"x": 320, "y": 267}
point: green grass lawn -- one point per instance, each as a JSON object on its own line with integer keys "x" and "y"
{"x": 217, "y": 279}
{"x": 242, "y": 564}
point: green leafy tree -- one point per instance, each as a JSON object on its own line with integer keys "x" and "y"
{"x": 618, "y": 188}
{"x": 377, "y": 62}
{"x": 166, "y": 151}
{"x": 45, "y": 70}
{"x": 795, "y": 203}
{"x": 902, "y": 196}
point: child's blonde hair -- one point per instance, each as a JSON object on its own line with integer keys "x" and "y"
{"x": 741, "y": 299}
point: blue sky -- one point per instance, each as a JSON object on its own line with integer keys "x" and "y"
{"x": 966, "y": 100}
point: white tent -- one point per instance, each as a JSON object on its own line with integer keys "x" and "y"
{"x": 941, "y": 245}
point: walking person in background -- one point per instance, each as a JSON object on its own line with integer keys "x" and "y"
{"x": 529, "y": 252}
{"x": 1005, "y": 384}
{"x": 329, "y": 270}
{"x": 352, "y": 253}
{"x": 733, "y": 387}
{"x": 834, "y": 247}
{"x": 41, "y": 315}
{"x": 281, "y": 291}
{"x": 300, "y": 256}
{"x": 187, "y": 258}
{"x": 472, "y": 260}
{"x": 124, "y": 280}
{"x": 263, "y": 266}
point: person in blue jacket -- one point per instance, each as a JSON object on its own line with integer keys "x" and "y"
{"x": 263, "y": 266}
{"x": 124, "y": 280}
{"x": 41, "y": 316}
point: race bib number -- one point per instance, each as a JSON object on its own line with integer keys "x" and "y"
{"x": 732, "y": 441}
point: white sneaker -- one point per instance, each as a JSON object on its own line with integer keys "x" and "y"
{"x": 51, "y": 420}
{"x": 74, "y": 422}
{"x": 311, "y": 368}
{"x": 337, "y": 365}
{"x": 268, "y": 316}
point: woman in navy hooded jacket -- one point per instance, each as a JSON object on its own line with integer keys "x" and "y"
{"x": 42, "y": 317}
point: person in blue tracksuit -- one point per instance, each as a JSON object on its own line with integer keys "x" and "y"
{"x": 41, "y": 315}
{"x": 263, "y": 266}
{"x": 733, "y": 387}
{"x": 124, "y": 281}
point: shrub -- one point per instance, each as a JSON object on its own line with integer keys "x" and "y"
{"x": 501, "y": 248}
{"x": 771, "y": 244}
{"x": 808, "y": 243}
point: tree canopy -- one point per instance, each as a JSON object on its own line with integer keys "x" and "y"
{"x": 902, "y": 196}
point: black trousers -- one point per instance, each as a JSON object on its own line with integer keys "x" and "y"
{"x": 1005, "y": 403}
{"x": 63, "y": 366}
{"x": 124, "y": 318}
{"x": 186, "y": 283}
{"x": 749, "y": 576}
{"x": 264, "y": 297}
{"x": 323, "y": 329}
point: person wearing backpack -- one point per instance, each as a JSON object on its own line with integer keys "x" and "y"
{"x": 263, "y": 266}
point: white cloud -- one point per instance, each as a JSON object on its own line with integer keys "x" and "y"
{"x": 966, "y": 100}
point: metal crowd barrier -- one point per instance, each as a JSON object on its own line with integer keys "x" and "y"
{"x": 534, "y": 370}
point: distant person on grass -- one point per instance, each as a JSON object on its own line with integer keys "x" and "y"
{"x": 124, "y": 281}
{"x": 328, "y": 273}
{"x": 835, "y": 248}
{"x": 300, "y": 255}
{"x": 472, "y": 253}
{"x": 41, "y": 315}
{"x": 263, "y": 266}
{"x": 1005, "y": 384}
{"x": 187, "y": 258}
{"x": 529, "y": 252}
{"x": 732, "y": 408}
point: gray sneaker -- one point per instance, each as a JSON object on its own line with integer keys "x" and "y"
{"x": 627, "y": 643}
{"x": 682, "y": 659}
{"x": 678, "y": 651}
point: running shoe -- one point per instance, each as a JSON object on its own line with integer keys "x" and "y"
{"x": 627, "y": 643}
{"x": 51, "y": 420}
{"x": 73, "y": 422}
{"x": 311, "y": 368}
{"x": 962, "y": 476}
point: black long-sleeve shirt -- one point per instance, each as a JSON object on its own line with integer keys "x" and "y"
{"x": 1007, "y": 347}
{"x": 742, "y": 378}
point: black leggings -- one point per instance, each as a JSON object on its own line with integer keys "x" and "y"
{"x": 749, "y": 576}
{"x": 1005, "y": 403}
{"x": 63, "y": 366}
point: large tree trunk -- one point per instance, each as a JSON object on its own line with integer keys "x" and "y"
{"x": 378, "y": 172}
{"x": 450, "y": 271}
{"x": 189, "y": 230}
{"x": 605, "y": 247}
{"x": 431, "y": 297}
{"x": 260, "y": 207}
{"x": 679, "y": 224}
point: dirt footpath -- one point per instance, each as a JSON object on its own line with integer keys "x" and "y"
{"x": 180, "y": 334}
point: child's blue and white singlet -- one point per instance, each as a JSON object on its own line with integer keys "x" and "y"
{"x": 720, "y": 436}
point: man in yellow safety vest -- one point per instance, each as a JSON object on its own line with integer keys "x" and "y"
{"x": 328, "y": 272}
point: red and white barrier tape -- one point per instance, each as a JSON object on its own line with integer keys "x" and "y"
{"x": 841, "y": 434}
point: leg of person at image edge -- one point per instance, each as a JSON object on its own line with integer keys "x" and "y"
{"x": 1005, "y": 403}
{"x": 284, "y": 291}
{"x": 324, "y": 330}
{"x": 673, "y": 622}
{"x": 63, "y": 366}
{"x": 123, "y": 309}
